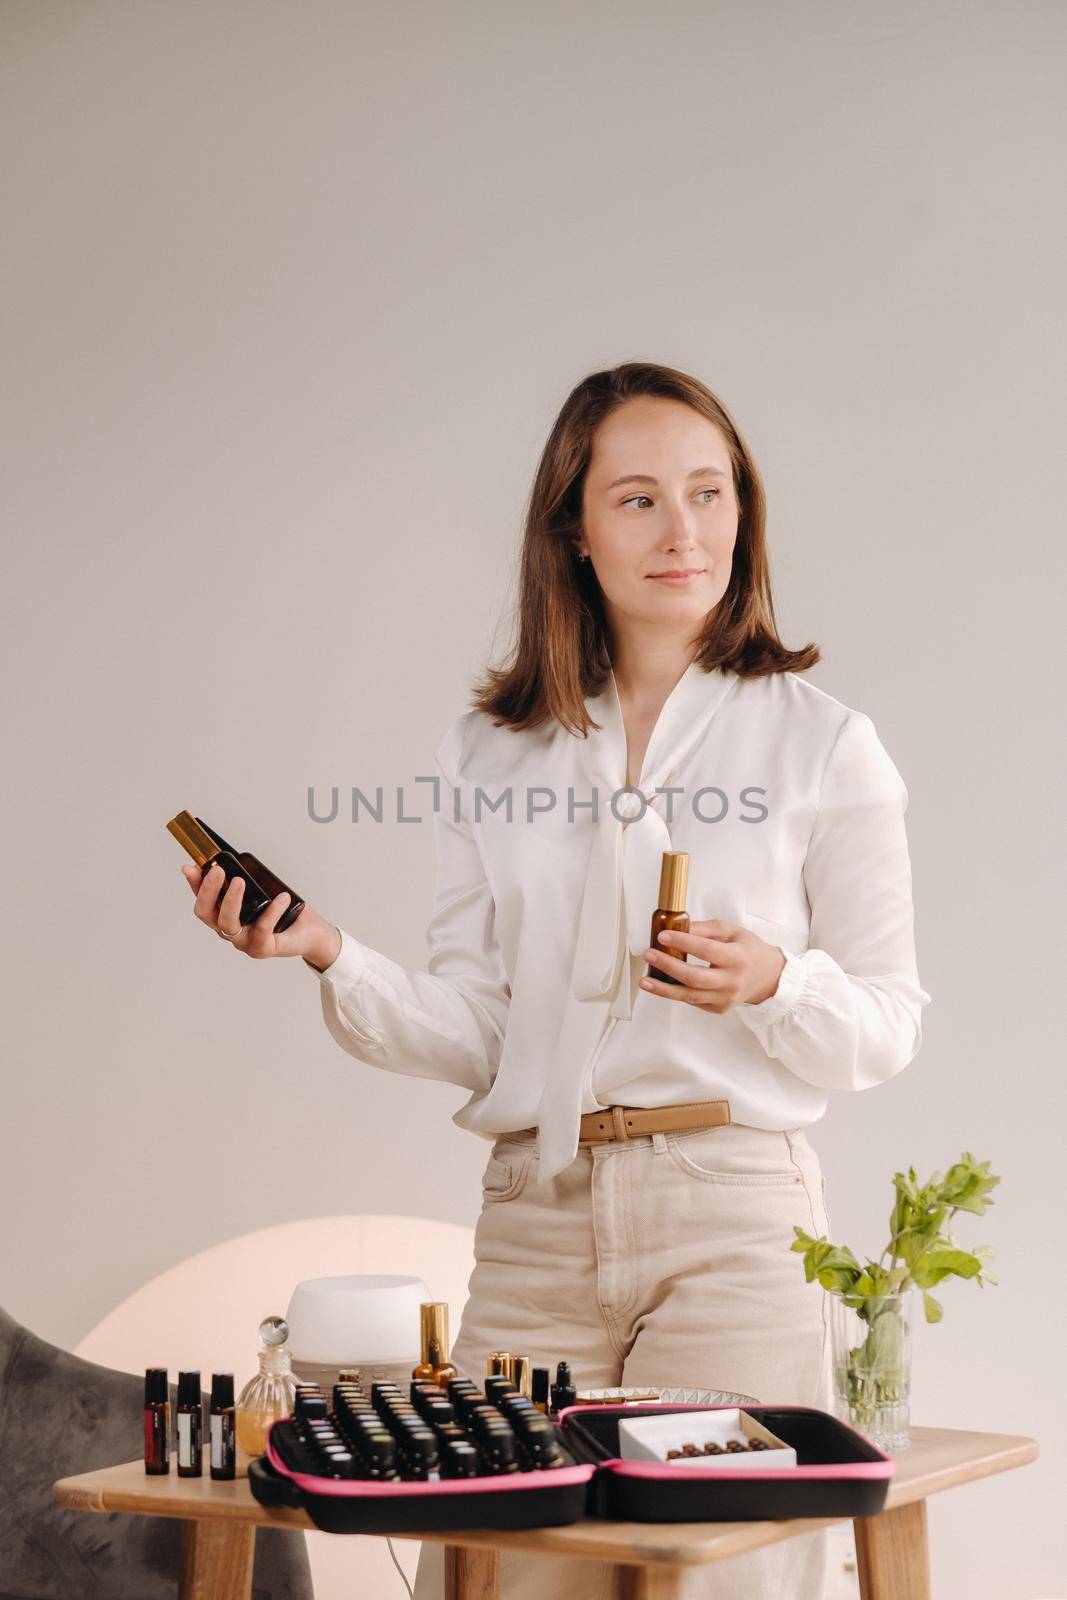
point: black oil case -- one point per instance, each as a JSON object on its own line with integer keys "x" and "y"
{"x": 538, "y": 1499}
{"x": 838, "y": 1474}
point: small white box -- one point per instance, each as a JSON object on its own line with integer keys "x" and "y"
{"x": 650, "y": 1438}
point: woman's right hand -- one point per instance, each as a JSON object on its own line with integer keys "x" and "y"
{"x": 310, "y": 936}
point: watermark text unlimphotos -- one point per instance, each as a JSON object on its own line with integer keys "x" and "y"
{"x": 530, "y": 802}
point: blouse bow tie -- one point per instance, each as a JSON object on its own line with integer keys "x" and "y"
{"x": 621, "y": 892}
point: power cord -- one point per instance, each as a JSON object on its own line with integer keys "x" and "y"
{"x": 399, "y": 1568}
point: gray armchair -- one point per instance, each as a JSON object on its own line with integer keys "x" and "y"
{"x": 60, "y": 1415}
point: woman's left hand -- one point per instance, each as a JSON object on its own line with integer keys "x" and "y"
{"x": 742, "y": 968}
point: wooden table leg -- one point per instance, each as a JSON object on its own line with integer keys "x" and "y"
{"x": 471, "y": 1573}
{"x": 892, "y": 1555}
{"x": 216, "y": 1561}
{"x": 648, "y": 1583}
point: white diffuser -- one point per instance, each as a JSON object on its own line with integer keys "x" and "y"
{"x": 366, "y": 1321}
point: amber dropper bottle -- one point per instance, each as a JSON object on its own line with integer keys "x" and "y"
{"x": 268, "y": 881}
{"x": 434, "y": 1365}
{"x": 206, "y": 853}
{"x": 670, "y": 914}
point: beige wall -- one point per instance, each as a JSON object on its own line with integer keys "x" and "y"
{"x": 292, "y": 294}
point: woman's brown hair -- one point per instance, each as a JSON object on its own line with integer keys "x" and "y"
{"x": 560, "y": 656}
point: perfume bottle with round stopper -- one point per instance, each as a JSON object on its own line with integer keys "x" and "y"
{"x": 270, "y": 1394}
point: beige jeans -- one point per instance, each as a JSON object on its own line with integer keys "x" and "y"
{"x": 658, "y": 1260}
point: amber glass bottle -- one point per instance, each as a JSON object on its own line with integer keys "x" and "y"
{"x": 206, "y": 851}
{"x": 267, "y": 880}
{"x": 434, "y": 1365}
{"x": 670, "y": 914}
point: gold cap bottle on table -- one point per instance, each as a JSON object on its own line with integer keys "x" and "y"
{"x": 434, "y": 1365}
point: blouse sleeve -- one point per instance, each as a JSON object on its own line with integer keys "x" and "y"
{"x": 847, "y": 1011}
{"x": 449, "y": 1021}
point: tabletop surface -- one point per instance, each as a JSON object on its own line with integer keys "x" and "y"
{"x": 939, "y": 1458}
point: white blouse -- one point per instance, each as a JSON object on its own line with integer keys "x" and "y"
{"x": 547, "y": 877}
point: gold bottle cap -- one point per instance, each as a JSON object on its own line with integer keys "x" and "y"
{"x": 192, "y": 837}
{"x": 499, "y": 1363}
{"x": 433, "y": 1331}
{"x": 673, "y": 880}
{"x": 522, "y": 1375}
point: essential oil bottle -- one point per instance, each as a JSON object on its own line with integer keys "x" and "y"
{"x": 563, "y": 1391}
{"x": 189, "y": 1424}
{"x": 156, "y": 1421}
{"x": 222, "y": 1426}
{"x": 539, "y": 1387}
{"x": 670, "y": 915}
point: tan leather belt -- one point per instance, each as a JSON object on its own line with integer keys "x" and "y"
{"x": 631, "y": 1122}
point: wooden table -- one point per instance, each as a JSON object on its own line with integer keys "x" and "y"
{"x": 650, "y": 1558}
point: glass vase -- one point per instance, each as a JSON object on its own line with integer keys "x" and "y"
{"x": 872, "y": 1365}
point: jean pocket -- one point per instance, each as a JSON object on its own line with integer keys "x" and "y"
{"x": 714, "y": 1157}
{"x": 505, "y": 1177}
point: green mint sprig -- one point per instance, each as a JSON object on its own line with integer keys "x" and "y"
{"x": 921, "y": 1249}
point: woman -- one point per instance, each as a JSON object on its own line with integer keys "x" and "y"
{"x": 649, "y": 1158}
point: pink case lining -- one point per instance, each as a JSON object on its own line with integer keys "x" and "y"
{"x": 363, "y": 1488}
{"x": 883, "y": 1468}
